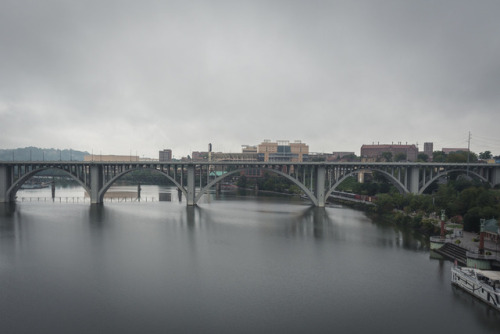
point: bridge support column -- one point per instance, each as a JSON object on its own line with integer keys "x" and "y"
{"x": 495, "y": 176}
{"x": 5, "y": 183}
{"x": 190, "y": 185}
{"x": 96, "y": 183}
{"x": 320, "y": 185}
{"x": 413, "y": 179}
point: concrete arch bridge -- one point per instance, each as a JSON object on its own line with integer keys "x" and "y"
{"x": 316, "y": 179}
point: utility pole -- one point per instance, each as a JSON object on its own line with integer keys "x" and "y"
{"x": 468, "y": 154}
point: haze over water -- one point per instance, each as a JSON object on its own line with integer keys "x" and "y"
{"x": 234, "y": 264}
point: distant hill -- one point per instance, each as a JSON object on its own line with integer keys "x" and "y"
{"x": 41, "y": 154}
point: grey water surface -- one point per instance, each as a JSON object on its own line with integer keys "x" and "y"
{"x": 233, "y": 264}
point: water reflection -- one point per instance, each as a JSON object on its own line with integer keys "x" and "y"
{"x": 97, "y": 214}
{"x": 9, "y": 216}
{"x": 488, "y": 317}
{"x": 7, "y": 209}
{"x": 255, "y": 264}
{"x": 190, "y": 216}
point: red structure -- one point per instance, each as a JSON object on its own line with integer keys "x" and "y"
{"x": 481, "y": 238}
{"x": 442, "y": 225}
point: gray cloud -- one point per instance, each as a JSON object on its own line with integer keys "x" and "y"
{"x": 121, "y": 76}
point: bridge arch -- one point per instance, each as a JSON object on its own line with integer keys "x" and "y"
{"x": 402, "y": 189}
{"x": 11, "y": 192}
{"x": 308, "y": 193}
{"x": 445, "y": 172}
{"x": 108, "y": 184}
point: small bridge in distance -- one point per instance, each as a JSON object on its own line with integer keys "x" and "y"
{"x": 318, "y": 180}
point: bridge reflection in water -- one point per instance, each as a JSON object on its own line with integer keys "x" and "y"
{"x": 318, "y": 180}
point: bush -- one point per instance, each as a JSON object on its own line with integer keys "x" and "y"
{"x": 458, "y": 242}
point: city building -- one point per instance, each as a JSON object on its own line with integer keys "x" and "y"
{"x": 373, "y": 152}
{"x": 199, "y": 156}
{"x": 283, "y": 150}
{"x": 491, "y": 229}
{"x": 428, "y": 150}
{"x": 248, "y": 149}
{"x": 165, "y": 155}
{"x": 108, "y": 157}
{"x": 451, "y": 150}
{"x": 220, "y": 156}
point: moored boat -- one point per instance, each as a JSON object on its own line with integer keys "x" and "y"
{"x": 483, "y": 284}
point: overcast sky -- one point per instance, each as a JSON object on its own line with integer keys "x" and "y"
{"x": 121, "y": 77}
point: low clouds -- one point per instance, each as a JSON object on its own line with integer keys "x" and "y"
{"x": 121, "y": 76}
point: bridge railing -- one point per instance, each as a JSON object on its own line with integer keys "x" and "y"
{"x": 86, "y": 200}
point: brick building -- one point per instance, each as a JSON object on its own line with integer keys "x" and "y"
{"x": 375, "y": 151}
{"x": 165, "y": 155}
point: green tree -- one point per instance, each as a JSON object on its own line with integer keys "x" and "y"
{"x": 485, "y": 155}
{"x": 384, "y": 203}
{"x": 472, "y": 219}
{"x": 242, "y": 181}
{"x": 445, "y": 198}
{"x": 461, "y": 157}
{"x": 422, "y": 157}
{"x": 438, "y": 156}
{"x": 467, "y": 200}
{"x": 387, "y": 156}
{"x": 458, "y": 157}
{"x": 400, "y": 157}
{"x": 420, "y": 203}
{"x": 350, "y": 157}
{"x": 348, "y": 184}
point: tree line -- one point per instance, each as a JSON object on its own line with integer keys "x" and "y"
{"x": 464, "y": 200}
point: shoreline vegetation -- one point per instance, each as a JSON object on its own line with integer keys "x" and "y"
{"x": 465, "y": 202}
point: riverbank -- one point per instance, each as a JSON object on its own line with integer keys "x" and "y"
{"x": 424, "y": 224}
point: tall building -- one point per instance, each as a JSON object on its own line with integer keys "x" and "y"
{"x": 428, "y": 149}
{"x": 375, "y": 151}
{"x": 165, "y": 155}
{"x": 283, "y": 150}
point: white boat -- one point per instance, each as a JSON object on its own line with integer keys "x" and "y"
{"x": 483, "y": 284}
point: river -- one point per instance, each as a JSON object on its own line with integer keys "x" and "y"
{"x": 233, "y": 264}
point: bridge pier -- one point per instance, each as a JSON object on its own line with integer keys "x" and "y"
{"x": 320, "y": 185}
{"x": 412, "y": 178}
{"x": 190, "y": 186}
{"x": 96, "y": 183}
{"x": 495, "y": 176}
{"x": 5, "y": 183}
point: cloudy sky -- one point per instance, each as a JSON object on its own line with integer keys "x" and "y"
{"x": 121, "y": 77}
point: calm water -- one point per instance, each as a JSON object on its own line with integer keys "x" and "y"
{"x": 231, "y": 265}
